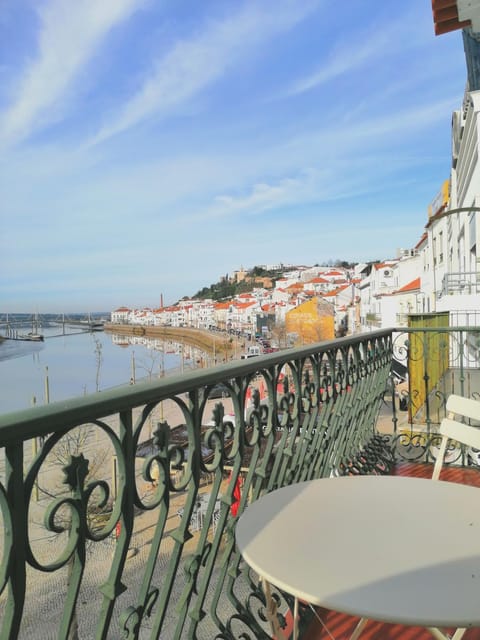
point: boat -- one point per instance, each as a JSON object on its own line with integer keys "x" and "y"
{"x": 32, "y": 337}
{"x": 37, "y": 337}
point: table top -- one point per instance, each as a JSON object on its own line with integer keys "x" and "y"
{"x": 395, "y": 549}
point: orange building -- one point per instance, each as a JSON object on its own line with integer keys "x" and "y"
{"x": 312, "y": 321}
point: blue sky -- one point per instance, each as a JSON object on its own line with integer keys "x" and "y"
{"x": 150, "y": 147}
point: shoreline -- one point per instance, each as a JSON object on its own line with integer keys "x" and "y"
{"x": 211, "y": 343}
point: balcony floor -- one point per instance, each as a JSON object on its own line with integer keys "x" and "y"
{"x": 341, "y": 626}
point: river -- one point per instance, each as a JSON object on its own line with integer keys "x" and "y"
{"x": 66, "y": 366}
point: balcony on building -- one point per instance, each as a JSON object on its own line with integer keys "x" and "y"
{"x": 463, "y": 283}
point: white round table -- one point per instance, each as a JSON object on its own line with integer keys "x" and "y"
{"x": 395, "y": 549}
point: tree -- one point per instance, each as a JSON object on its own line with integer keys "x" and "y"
{"x": 98, "y": 359}
{"x": 151, "y": 361}
{"x": 279, "y": 333}
{"x": 259, "y": 271}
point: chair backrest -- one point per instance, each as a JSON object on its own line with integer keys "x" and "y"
{"x": 451, "y": 429}
{"x": 463, "y": 407}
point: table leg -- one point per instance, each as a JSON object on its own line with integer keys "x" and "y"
{"x": 436, "y": 633}
{"x": 271, "y": 610}
{"x": 359, "y": 628}
{"x": 295, "y": 619}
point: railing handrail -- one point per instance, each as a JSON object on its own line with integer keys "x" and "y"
{"x": 41, "y": 420}
{"x": 433, "y": 329}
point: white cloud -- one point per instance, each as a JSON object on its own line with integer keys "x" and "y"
{"x": 358, "y": 50}
{"x": 264, "y": 196}
{"x": 340, "y": 62}
{"x": 69, "y": 36}
{"x": 355, "y": 152}
{"x": 268, "y": 180}
{"x": 194, "y": 64}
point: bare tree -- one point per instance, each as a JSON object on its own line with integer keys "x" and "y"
{"x": 98, "y": 359}
{"x": 151, "y": 362}
{"x": 279, "y": 333}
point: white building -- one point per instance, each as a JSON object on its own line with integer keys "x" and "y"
{"x": 453, "y": 228}
{"x": 120, "y": 315}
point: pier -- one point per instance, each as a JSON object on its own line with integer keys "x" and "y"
{"x": 29, "y": 327}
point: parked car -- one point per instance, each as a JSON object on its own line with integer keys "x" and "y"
{"x": 252, "y": 351}
{"x": 220, "y": 390}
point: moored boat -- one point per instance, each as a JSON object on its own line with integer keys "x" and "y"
{"x": 33, "y": 337}
{"x": 37, "y": 337}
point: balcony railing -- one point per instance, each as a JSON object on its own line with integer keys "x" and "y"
{"x": 465, "y": 283}
{"x": 118, "y": 510}
{"x": 429, "y": 365}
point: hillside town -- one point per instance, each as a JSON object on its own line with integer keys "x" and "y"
{"x": 438, "y": 276}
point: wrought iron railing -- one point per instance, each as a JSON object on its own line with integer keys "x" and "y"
{"x": 117, "y": 510}
{"x": 429, "y": 364}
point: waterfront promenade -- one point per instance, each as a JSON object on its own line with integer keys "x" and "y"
{"x": 221, "y": 347}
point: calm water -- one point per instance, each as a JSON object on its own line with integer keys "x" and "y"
{"x": 78, "y": 364}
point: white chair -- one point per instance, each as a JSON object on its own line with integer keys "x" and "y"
{"x": 457, "y": 429}
{"x": 451, "y": 429}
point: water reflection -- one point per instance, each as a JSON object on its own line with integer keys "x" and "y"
{"x": 186, "y": 352}
{"x": 10, "y": 349}
{"x": 83, "y": 363}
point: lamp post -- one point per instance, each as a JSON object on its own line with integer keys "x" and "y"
{"x": 132, "y": 378}
{"x": 47, "y": 387}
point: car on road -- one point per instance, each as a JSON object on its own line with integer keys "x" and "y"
{"x": 220, "y": 390}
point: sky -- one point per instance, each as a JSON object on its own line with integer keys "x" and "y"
{"x": 150, "y": 147}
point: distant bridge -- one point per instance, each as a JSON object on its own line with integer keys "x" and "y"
{"x": 23, "y": 326}
{"x": 89, "y": 324}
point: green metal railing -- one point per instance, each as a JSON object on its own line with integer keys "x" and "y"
{"x": 118, "y": 510}
{"x": 438, "y": 361}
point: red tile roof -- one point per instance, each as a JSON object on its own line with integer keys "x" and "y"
{"x": 293, "y": 289}
{"x": 422, "y": 240}
{"x": 445, "y": 17}
{"x": 318, "y": 280}
{"x": 411, "y": 286}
